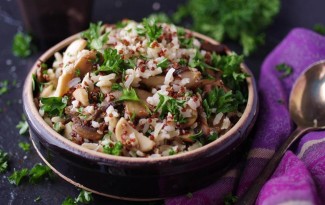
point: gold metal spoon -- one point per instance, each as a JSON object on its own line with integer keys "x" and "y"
{"x": 307, "y": 110}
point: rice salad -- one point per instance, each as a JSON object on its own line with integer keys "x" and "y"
{"x": 141, "y": 90}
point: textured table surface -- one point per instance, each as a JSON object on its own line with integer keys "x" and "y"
{"x": 294, "y": 13}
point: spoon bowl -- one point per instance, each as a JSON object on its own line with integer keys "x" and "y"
{"x": 307, "y": 110}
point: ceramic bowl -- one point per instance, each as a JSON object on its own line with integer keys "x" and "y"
{"x": 137, "y": 178}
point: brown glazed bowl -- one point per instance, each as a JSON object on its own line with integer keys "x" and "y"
{"x": 137, "y": 179}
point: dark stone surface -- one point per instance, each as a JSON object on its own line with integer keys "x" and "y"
{"x": 294, "y": 13}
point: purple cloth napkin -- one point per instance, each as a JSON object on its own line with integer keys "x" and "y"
{"x": 300, "y": 177}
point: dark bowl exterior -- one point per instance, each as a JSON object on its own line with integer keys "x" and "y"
{"x": 137, "y": 179}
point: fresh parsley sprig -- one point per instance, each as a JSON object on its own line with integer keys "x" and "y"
{"x": 113, "y": 62}
{"x": 96, "y": 40}
{"x": 151, "y": 29}
{"x": 171, "y": 105}
{"x": 22, "y": 46}
{"x": 24, "y": 146}
{"x": 54, "y": 106}
{"x": 129, "y": 95}
{"x": 84, "y": 197}
{"x": 22, "y": 125}
{"x": 3, "y": 161}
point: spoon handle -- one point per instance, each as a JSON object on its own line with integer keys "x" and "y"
{"x": 251, "y": 194}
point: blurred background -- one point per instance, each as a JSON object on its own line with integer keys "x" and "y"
{"x": 49, "y": 21}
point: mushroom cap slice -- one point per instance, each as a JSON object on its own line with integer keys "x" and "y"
{"x": 153, "y": 81}
{"x": 191, "y": 120}
{"x": 86, "y": 132}
{"x": 124, "y": 131}
{"x": 82, "y": 96}
{"x": 194, "y": 76}
{"x": 73, "y": 50}
{"x": 139, "y": 109}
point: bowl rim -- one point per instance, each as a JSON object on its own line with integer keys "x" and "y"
{"x": 38, "y": 122}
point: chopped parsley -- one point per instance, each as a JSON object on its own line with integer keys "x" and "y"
{"x": 163, "y": 64}
{"x": 24, "y": 146}
{"x": 129, "y": 95}
{"x": 94, "y": 37}
{"x": 113, "y": 62}
{"x": 84, "y": 197}
{"x": 21, "y": 46}
{"x": 39, "y": 198}
{"x": 171, "y": 152}
{"x": 22, "y": 126}
{"x": 199, "y": 62}
{"x": 114, "y": 150}
{"x": 116, "y": 86}
{"x": 18, "y": 176}
{"x": 185, "y": 41}
{"x": 4, "y": 87}
{"x": 319, "y": 28}
{"x": 3, "y": 161}
{"x": 151, "y": 28}
{"x": 200, "y": 137}
{"x": 39, "y": 172}
{"x": 121, "y": 24}
{"x": 222, "y": 101}
{"x": 54, "y": 106}
{"x": 284, "y": 69}
{"x": 171, "y": 105}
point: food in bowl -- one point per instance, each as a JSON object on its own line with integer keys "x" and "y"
{"x": 141, "y": 90}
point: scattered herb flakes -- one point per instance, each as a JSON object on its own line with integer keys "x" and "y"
{"x": 22, "y": 126}
{"x": 230, "y": 199}
{"x": 18, "y": 176}
{"x": 84, "y": 197}
{"x": 21, "y": 46}
{"x": 319, "y": 28}
{"x": 38, "y": 199}
{"x": 129, "y": 95}
{"x": 54, "y": 106}
{"x": 39, "y": 172}
{"x": 4, "y": 87}
{"x": 113, "y": 150}
{"x": 24, "y": 146}
{"x": 285, "y": 70}
{"x": 3, "y": 161}
{"x": 94, "y": 36}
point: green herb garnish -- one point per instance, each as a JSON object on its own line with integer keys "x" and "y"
{"x": 94, "y": 36}
{"x": 54, "y": 106}
{"x": 185, "y": 41}
{"x": 163, "y": 64}
{"x": 22, "y": 126}
{"x": 3, "y": 161}
{"x": 4, "y": 87}
{"x": 21, "y": 46}
{"x": 39, "y": 198}
{"x": 113, "y": 62}
{"x": 17, "y": 176}
{"x": 116, "y": 86}
{"x": 151, "y": 28}
{"x": 159, "y": 18}
{"x": 84, "y": 197}
{"x": 168, "y": 104}
{"x": 69, "y": 201}
{"x": 224, "y": 19}
{"x": 129, "y": 95}
{"x": 114, "y": 150}
{"x": 284, "y": 69}
{"x": 24, "y": 146}
{"x": 39, "y": 172}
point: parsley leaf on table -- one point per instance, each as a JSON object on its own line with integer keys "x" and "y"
{"x": 24, "y": 146}
{"x": 38, "y": 172}
{"x": 285, "y": 69}
{"x": 3, "y": 161}
{"x": 94, "y": 37}
{"x": 54, "y": 106}
{"x": 17, "y": 176}
{"x": 21, "y": 46}
{"x": 69, "y": 201}
{"x": 4, "y": 87}
{"x": 22, "y": 126}
{"x": 319, "y": 28}
{"x": 84, "y": 197}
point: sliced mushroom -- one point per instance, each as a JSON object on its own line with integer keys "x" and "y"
{"x": 73, "y": 49}
{"x": 85, "y": 131}
{"x": 193, "y": 76}
{"x": 124, "y": 133}
{"x": 83, "y": 64}
{"x": 218, "y": 48}
{"x": 154, "y": 81}
{"x": 187, "y": 137}
{"x": 81, "y": 95}
{"x": 191, "y": 120}
{"x": 139, "y": 109}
